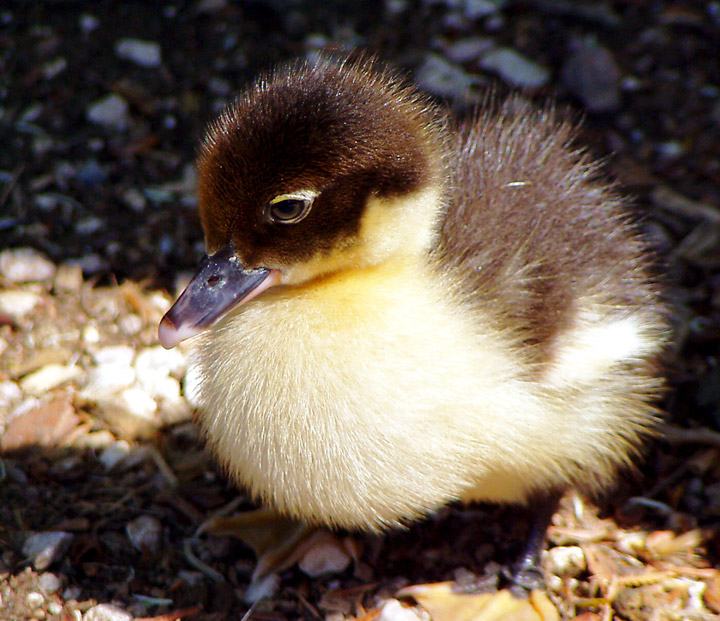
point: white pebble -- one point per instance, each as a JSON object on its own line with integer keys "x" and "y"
{"x": 514, "y": 68}
{"x": 91, "y": 334}
{"x": 18, "y": 304}
{"x": 393, "y": 610}
{"x": 165, "y": 388}
{"x": 108, "y": 379}
{"x": 137, "y": 402}
{"x": 130, "y": 325}
{"x": 26, "y": 265}
{"x": 159, "y": 359}
{"x": 143, "y": 53}
{"x": 68, "y": 278}
{"x": 566, "y": 560}
{"x": 116, "y": 354}
{"x": 114, "y": 454}
{"x": 444, "y": 78}
{"x": 9, "y": 393}
{"x": 49, "y": 582}
{"x": 34, "y": 599}
{"x": 107, "y": 612}
{"x": 109, "y": 111}
{"x": 46, "y": 547}
{"x": 48, "y": 377}
{"x": 145, "y": 533}
{"x": 54, "y": 608}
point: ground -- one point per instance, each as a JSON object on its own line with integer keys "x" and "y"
{"x": 101, "y": 108}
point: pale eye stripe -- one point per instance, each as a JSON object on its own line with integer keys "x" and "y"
{"x": 302, "y": 195}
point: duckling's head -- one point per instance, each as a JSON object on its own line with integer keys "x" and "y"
{"x": 318, "y": 168}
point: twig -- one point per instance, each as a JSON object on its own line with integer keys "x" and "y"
{"x": 216, "y": 576}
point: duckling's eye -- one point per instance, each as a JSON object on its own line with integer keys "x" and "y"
{"x": 289, "y": 208}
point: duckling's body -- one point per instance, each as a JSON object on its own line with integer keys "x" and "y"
{"x": 455, "y": 315}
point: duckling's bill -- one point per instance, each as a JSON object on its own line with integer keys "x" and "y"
{"x": 220, "y": 283}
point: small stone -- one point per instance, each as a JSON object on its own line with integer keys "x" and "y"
{"x": 121, "y": 355}
{"x": 566, "y": 561}
{"x": 91, "y": 173}
{"x": 44, "y": 425}
{"x": 34, "y": 599}
{"x": 514, "y": 68}
{"x": 441, "y": 77}
{"x": 326, "y": 556}
{"x": 88, "y": 226}
{"x": 138, "y": 403}
{"x": 72, "y": 592}
{"x": 54, "y": 68}
{"x": 26, "y": 265}
{"x": 145, "y": 533}
{"x": 159, "y": 359}
{"x": 591, "y": 75}
{"x": 107, "y": 612}
{"x": 55, "y": 608}
{"x": 88, "y": 23}
{"x": 393, "y": 610}
{"x": 114, "y": 454}
{"x": 111, "y": 111}
{"x": 166, "y": 388}
{"x": 108, "y": 379}
{"x": 31, "y": 113}
{"x": 10, "y": 394}
{"x": 144, "y": 53}
{"x": 18, "y": 304}
{"x": 134, "y": 199}
{"x": 477, "y": 9}
{"x": 130, "y": 325}
{"x": 46, "y": 547}
{"x": 91, "y": 334}
{"x": 96, "y": 440}
{"x": 49, "y": 582}
{"x": 48, "y": 377}
{"x": 90, "y": 264}
{"x": 465, "y": 50}
{"x": 68, "y": 278}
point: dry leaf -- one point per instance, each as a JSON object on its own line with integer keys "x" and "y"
{"x": 43, "y": 426}
{"x": 443, "y": 603}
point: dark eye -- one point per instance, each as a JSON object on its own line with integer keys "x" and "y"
{"x": 289, "y": 208}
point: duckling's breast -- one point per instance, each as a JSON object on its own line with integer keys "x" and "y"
{"x": 371, "y": 398}
{"x": 351, "y": 400}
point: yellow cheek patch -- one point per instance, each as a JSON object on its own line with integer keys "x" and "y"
{"x": 405, "y": 226}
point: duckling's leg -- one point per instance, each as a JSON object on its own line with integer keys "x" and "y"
{"x": 525, "y": 573}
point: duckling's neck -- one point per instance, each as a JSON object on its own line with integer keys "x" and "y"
{"x": 398, "y": 229}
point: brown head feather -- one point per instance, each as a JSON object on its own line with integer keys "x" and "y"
{"x": 343, "y": 129}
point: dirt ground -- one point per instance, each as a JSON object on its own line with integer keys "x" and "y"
{"x": 102, "y": 105}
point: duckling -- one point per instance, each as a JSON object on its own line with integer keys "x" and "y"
{"x": 397, "y": 311}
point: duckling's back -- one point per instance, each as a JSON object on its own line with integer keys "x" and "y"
{"x": 536, "y": 236}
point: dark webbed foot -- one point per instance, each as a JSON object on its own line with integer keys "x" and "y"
{"x": 525, "y": 574}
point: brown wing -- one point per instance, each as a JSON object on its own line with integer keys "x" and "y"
{"x": 532, "y": 228}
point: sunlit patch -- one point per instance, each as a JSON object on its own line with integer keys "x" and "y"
{"x": 585, "y": 352}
